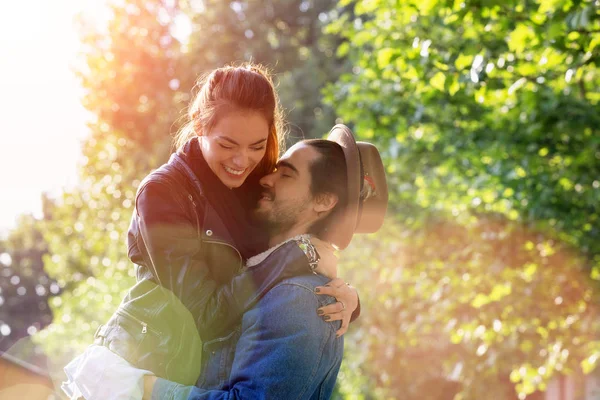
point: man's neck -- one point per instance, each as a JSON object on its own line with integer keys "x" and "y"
{"x": 281, "y": 237}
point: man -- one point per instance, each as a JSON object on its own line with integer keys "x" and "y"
{"x": 330, "y": 188}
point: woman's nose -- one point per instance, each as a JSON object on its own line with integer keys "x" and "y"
{"x": 240, "y": 159}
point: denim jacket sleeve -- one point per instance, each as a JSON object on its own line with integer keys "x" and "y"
{"x": 171, "y": 246}
{"x": 285, "y": 351}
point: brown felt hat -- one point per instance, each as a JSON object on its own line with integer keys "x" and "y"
{"x": 367, "y": 189}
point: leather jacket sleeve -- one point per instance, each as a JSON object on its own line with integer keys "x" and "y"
{"x": 170, "y": 245}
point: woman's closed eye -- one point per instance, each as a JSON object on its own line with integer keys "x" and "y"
{"x": 225, "y": 146}
{"x": 257, "y": 148}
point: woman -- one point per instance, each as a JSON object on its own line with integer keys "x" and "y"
{"x": 189, "y": 237}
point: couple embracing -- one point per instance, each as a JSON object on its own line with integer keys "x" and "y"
{"x": 237, "y": 294}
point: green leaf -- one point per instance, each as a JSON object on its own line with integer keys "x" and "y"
{"x": 454, "y": 87}
{"x": 343, "y": 49}
{"x": 362, "y": 38}
{"x": 520, "y": 38}
{"x": 515, "y": 376}
{"x": 385, "y": 56}
{"x": 590, "y": 363}
{"x": 593, "y": 43}
{"x": 500, "y": 291}
{"x": 438, "y": 81}
{"x": 463, "y": 61}
{"x": 480, "y": 300}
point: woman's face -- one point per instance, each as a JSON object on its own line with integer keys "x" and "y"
{"x": 235, "y": 145}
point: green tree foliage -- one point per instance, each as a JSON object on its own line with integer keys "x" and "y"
{"x": 488, "y": 114}
{"x": 128, "y": 72}
{"x": 25, "y": 288}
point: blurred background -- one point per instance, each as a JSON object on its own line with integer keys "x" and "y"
{"x": 484, "y": 282}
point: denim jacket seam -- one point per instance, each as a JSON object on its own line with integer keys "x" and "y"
{"x": 297, "y": 284}
{"x": 322, "y": 389}
{"x": 220, "y": 339}
{"x": 315, "y": 367}
{"x": 171, "y": 393}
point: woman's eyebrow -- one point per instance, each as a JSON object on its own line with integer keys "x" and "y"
{"x": 230, "y": 140}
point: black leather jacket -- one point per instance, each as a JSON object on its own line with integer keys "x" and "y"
{"x": 190, "y": 277}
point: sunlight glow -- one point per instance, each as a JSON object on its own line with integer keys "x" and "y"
{"x": 42, "y": 120}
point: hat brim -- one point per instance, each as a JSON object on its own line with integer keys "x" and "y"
{"x": 344, "y": 221}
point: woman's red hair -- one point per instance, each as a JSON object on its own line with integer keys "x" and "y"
{"x": 248, "y": 87}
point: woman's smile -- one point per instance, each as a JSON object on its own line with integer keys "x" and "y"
{"x": 234, "y": 171}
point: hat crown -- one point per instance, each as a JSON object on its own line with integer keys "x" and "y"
{"x": 374, "y": 192}
{"x": 367, "y": 189}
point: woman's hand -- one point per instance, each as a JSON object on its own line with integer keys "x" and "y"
{"x": 347, "y": 301}
{"x": 149, "y": 381}
{"x": 328, "y": 260}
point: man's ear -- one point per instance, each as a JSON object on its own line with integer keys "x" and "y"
{"x": 325, "y": 202}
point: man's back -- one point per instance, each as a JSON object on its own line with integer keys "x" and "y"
{"x": 284, "y": 336}
{"x": 282, "y": 350}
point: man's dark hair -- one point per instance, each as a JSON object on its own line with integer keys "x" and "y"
{"x": 328, "y": 175}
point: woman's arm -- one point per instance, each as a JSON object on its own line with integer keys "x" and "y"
{"x": 170, "y": 244}
{"x": 347, "y": 307}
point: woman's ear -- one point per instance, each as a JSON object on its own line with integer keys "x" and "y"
{"x": 325, "y": 202}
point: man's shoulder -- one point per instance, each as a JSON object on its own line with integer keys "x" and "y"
{"x": 302, "y": 287}
{"x": 308, "y": 281}
{"x": 294, "y": 297}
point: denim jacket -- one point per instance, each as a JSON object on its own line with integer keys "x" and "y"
{"x": 281, "y": 350}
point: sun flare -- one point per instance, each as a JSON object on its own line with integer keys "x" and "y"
{"x": 42, "y": 120}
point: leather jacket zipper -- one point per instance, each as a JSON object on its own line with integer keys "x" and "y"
{"x": 145, "y": 327}
{"x": 195, "y": 213}
{"x": 191, "y": 198}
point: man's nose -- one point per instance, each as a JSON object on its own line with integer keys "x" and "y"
{"x": 267, "y": 181}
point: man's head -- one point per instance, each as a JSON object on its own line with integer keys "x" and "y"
{"x": 331, "y": 188}
{"x": 308, "y": 185}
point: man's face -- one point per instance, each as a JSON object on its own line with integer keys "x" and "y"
{"x": 286, "y": 200}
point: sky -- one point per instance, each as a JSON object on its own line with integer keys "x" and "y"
{"x": 41, "y": 119}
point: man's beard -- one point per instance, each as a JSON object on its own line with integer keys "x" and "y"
{"x": 280, "y": 217}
